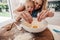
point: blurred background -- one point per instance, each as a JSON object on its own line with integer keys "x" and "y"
{"x": 53, "y": 5}
{"x": 4, "y": 11}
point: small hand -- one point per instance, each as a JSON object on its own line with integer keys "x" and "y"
{"x": 27, "y": 17}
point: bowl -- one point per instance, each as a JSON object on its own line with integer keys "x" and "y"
{"x": 35, "y": 26}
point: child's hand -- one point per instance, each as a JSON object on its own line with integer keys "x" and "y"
{"x": 27, "y": 17}
{"x": 44, "y": 14}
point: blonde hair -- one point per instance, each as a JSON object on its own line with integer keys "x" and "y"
{"x": 44, "y": 5}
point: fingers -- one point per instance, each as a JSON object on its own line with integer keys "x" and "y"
{"x": 24, "y": 17}
{"x": 18, "y": 18}
{"x": 27, "y": 17}
{"x": 42, "y": 15}
{"x": 50, "y": 14}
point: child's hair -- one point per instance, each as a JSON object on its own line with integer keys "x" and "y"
{"x": 44, "y": 5}
{"x": 29, "y": 1}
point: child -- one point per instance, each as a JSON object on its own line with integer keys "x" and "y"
{"x": 39, "y": 5}
{"x": 29, "y": 7}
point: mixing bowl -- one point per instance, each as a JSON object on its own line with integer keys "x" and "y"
{"x": 35, "y": 26}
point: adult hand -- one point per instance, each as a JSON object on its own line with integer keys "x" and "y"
{"x": 43, "y": 14}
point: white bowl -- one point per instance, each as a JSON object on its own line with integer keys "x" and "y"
{"x": 42, "y": 26}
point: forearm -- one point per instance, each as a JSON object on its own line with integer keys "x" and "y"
{"x": 17, "y": 13}
{"x": 18, "y": 10}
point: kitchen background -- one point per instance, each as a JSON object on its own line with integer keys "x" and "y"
{"x": 53, "y": 5}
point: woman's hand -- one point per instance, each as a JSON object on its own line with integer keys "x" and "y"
{"x": 43, "y": 14}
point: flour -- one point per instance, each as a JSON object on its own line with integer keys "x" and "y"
{"x": 24, "y": 36}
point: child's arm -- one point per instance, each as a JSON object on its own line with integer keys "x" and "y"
{"x": 17, "y": 12}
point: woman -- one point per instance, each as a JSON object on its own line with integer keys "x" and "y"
{"x": 40, "y": 5}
